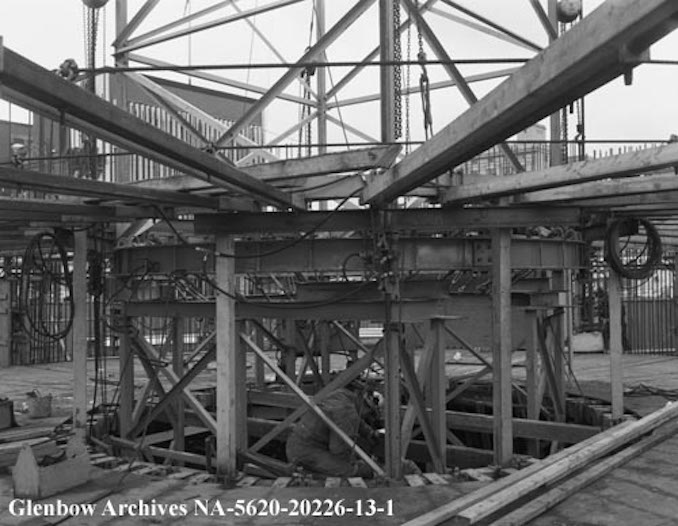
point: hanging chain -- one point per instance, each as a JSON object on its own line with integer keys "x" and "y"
{"x": 424, "y": 84}
{"x": 397, "y": 74}
{"x": 407, "y": 87}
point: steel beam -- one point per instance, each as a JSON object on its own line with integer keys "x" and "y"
{"x": 27, "y": 81}
{"x": 420, "y": 220}
{"x": 145, "y": 41}
{"x": 344, "y": 23}
{"x": 607, "y": 43}
{"x": 137, "y": 19}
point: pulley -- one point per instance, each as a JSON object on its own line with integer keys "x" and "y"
{"x": 568, "y": 10}
{"x": 95, "y": 4}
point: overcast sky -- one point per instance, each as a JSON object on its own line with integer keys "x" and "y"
{"x": 48, "y": 31}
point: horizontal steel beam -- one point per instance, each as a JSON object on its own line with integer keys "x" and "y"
{"x": 607, "y": 43}
{"x": 420, "y": 219}
{"x": 330, "y": 255}
{"x": 29, "y": 82}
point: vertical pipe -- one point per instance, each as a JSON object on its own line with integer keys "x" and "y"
{"x": 227, "y": 432}
{"x": 80, "y": 330}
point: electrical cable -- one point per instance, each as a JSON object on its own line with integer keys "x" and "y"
{"x": 273, "y": 252}
{"x": 632, "y": 270}
{"x": 44, "y": 277}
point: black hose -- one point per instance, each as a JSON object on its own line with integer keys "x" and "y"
{"x": 653, "y": 248}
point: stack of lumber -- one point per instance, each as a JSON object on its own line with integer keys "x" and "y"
{"x": 527, "y": 493}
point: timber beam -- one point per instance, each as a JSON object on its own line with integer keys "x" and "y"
{"x": 607, "y": 43}
{"x": 595, "y": 190}
{"x": 616, "y": 166}
{"x": 64, "y": 185}
{"x": 421, "y": 220}
{"x": 29, "y": 84}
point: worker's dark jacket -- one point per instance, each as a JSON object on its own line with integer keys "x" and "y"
{"x": 313, "y": 445}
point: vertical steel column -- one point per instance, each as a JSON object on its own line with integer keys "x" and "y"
{"x": 614, "y": 292}
{"x": 118, "y": 90}
{"x": 321, "y": 79}
{"x": 556, "y": 151}
{"x": 501, "y": 346}
{"x": 227, "y": 432}
{"x": 387, "y": 85}
{"x": 80, "y": 334}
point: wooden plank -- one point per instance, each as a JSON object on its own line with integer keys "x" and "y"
{"x": 608, "y": 190}
{"x": 166, "y": 436}
{"x": 417, "y": 401}
{"x": 415, "y": 480}
{"x": 281, "y": 482}
{"x": 502, "y": 392}
{"x": 621, "y": 165}
{"x": 435, "y": 478}
{"x": 356, "y": 482}
{"x": 581, "y": 60}
{"x": 65, "y": 185}
{"x": 332, "y": 482}
{"x": 552, "y": 468}
{"x": 247, "y": 481}
{"x": 557, "y": 494}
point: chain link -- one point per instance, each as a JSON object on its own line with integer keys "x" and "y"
{"x": 397, "y": 74}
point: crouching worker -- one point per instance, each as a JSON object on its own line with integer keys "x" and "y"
{"x": 315, "y": 447}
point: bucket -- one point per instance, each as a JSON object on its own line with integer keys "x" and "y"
{"x": 39, "y": 406}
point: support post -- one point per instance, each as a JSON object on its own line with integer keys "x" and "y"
{"x": 556, "y": 149}
{"x": 616, "y": 350}
{"x": 178, "y": 367}
{"x": 393, "y": 450}
{"x": 118, "y": 89}
{"x": 80, "y": 335}
{"x": 501, "y": 346}
{"x": 438, "y": 386}
{"x": 126, "y": 360}
{"x": 326, "y": 365}
{"x": 386, "y": 32}
{"x": 259, "y": 373}
{"x": 227, "y": 433}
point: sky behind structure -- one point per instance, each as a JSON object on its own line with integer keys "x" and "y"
{"x": 49, "y": 31}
